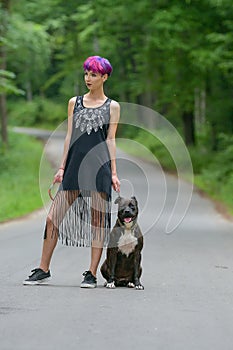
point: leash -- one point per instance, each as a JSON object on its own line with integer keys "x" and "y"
{"x": 50, "y": 191}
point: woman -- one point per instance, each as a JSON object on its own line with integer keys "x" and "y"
{"x": 80, "y": 214}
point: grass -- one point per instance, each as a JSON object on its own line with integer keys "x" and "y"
{"x": 220, "y": 192}
{"x": 19, "y": 177}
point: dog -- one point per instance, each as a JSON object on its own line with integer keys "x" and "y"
{"x": 122, "y": 266}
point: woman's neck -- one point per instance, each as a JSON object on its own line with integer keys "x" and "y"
{"x": 97, "y": 95}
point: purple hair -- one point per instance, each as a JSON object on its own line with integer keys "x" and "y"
{"x": 98, "y": 64}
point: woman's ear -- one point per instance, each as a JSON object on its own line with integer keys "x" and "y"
{"x": 105, "y": 77}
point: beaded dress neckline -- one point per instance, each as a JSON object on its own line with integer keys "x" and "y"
{"x": 89, "y": 118}
{"x": 93, "y": 107}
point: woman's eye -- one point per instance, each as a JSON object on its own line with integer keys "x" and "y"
{"x": 93, "y": 75}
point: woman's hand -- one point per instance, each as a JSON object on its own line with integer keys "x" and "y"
{"x": 116, "y": 183}
{"x": 58, "y": 177}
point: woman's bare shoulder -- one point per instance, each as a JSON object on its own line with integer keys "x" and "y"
{"x": 71, "y": 105}
{"x": 72, "y": 100}
{"x": 115, "y": 104}
{"x": 115, "y": 108}
{"x": 114, "y": 111}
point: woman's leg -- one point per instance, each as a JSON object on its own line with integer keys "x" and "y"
{"x": 99, "y": 205}
{"x": 49, "y": 245}
{"x": 61, "y": 204}
{"x": 95, "y": 259}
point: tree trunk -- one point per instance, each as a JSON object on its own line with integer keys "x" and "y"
{"x": 200, "y": 107}
{"x": 3, "y": 60}
{"x": 29, "y": 91}
{"x": 214, "y": 137}
{"x": 3, "y": 110}
{"x": 189, "y": 128}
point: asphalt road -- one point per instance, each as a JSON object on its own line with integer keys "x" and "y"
{"x": 188, "y": 277}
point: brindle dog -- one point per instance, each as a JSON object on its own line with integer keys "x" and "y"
{"x": 122, "y": 266}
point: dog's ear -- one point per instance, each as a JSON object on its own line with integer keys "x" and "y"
{"x": 117, "y": 200}
{"x": 135, "y": 199}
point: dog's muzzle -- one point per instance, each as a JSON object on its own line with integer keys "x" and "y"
{"x": 128, "y": 217}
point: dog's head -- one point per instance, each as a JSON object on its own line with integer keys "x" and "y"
{"x": 127, "y": 210}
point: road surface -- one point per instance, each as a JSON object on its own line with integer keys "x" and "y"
{"x": 187, "y": 303}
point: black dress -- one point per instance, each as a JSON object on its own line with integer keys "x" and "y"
{"x": 81, "y": 212}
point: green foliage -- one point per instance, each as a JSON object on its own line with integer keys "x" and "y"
{"x": 216, "y": 178}
{"x": 161, "y": 51}
{"x": 39, "y": 112}
{"x": 7, "y": 83}
{"x": 220, "y": 168}
{"x": 19, "y": 174}
{"x": 200, "y": 156}
{"x": 7, "y": 86}
{"x": 29, "y": 53}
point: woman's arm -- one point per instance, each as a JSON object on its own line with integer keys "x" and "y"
{"x": 59, "y": 175}
{"x": 111, "y": 143}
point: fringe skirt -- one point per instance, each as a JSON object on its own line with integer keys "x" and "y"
{"x": 80, "y": 218}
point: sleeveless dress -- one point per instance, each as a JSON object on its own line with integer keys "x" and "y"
{"x": 81, "y": 211}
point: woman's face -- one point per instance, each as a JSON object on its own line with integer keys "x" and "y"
{"x": 93, "y": 80}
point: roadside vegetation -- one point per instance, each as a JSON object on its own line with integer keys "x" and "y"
{"x": 19, "y": 177}
{"x": 213, "y": 171}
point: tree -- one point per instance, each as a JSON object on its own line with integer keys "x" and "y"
{"x": 169, "y": 55}
{"x": 29, "y": 54}
{"x": 4, "y": 9}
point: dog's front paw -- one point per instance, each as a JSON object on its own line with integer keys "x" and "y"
{"x": 139, "y": 287}
{"x": 110, "y": 285}
{"x": 131, "y": 285}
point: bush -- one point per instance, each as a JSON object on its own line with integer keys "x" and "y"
{"x": 201, "y": 157}
{"x": 20, "y": 192}
{"x": 216, "y": 177}
{"x": 40, "y": 112}
{"x": 221, "y": 166}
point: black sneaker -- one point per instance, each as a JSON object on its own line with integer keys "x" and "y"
{"x": 38, "y": 276}
{"x": 89, "y": 280}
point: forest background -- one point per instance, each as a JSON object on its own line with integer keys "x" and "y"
{"x": 174, "y": 56}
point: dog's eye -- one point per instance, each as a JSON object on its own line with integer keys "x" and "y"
{"x": 132, "y": 206}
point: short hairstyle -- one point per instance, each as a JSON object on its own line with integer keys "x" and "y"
{"x": 98, "y": 64}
